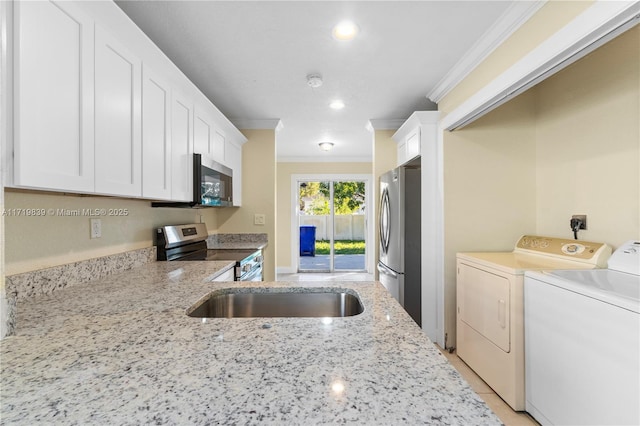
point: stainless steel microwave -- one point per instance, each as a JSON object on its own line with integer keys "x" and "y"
{"x": 212, "y": 182}
{"x": 212, "y": 185}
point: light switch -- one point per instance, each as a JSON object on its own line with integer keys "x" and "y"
{"x": 258, "y": 219}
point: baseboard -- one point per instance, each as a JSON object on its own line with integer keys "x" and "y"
{"x": 285, "y": 270}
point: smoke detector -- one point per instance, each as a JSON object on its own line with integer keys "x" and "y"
{"x": 314, "y": 80}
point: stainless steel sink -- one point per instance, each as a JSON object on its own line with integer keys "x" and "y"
{"x": 247, "y": 303}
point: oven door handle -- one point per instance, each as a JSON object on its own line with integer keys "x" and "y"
{"x": 251, "y": 275}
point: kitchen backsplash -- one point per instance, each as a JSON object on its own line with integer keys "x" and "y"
{"x": 216, "y": 240}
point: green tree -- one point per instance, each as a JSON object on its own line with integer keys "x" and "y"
{"x": 348, "y": 197}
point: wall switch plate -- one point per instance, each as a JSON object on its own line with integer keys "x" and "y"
{"x": 96, "y": 228}
{"x": 582, "y": 218}
{"x": 258, "y": 219}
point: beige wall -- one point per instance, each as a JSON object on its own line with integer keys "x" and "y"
{"x": 258, "y": 195}
{"x": 489, "y": 188}
{"x": 588, "y": 144}
{"x": 385, "y": 158}
{"x": 33, "y": 243}
{"x": 549, "y": 19}
{"x": 570, "y": 145}
{"x": 284, "y": 200}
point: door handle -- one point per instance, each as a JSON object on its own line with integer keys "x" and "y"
{"x": 502, "y": 313}
{"x": 384, "y": 270}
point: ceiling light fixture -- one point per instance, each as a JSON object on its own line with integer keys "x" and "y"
{"x": 337, "y": 104}
{"x": 325, "y": 146}
{"x": 345, "y": 30}
{"x": 314, "y": 80}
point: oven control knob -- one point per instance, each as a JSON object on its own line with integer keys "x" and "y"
{"x": 246, "y": 268}
{"x": 258, "y": 259}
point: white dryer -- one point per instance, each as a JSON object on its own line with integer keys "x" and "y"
{"x": 490, "y": 319}
{"x": 582, "y": 338}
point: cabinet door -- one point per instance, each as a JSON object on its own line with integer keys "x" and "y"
{"x": 181, "y": 158}
{"x": 118, "y": 92}
{"x": 412, "y": 146}
{"x": 202, "y": 132}
{"x": 156, "y": 136}
{"x": 402, "y": 154}
{"x": 218, "y": 151}
{"x": 234, "y": 161}
{"x": 53, "y": 110}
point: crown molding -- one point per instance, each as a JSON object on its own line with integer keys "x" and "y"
{"x": 258, "y": 124}
{"x": 513, "y": 18}
{"x": 385, "y": 123}
{"x": 416, "y": 119}
{"x": 597, "y": 25}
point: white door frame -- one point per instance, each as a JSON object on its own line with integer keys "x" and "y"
{"x": 369, "y": 205}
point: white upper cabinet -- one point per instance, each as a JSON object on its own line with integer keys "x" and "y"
{"x": 118, "y": 146}
{"x": 202, "y": 131}
{"x": 181, "y": 158}
{"x": 412, "y": 144}
{"x": 219, "y": 151}
{"x": 234, "y": 161}
{"x": 208, "y": 139}
{"x": 98, "y": 108}
{"x": 53, "y": 97}
{"x": 156, "y": 136}
{"x": 419, "y": 129}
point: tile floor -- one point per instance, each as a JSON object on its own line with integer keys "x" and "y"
{"x": 501, "y": 408}
{"x": 321, "y": 276}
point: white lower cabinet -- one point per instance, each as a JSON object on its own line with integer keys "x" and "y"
{"x": 181, "y": 158}
{"x": 118, "y": 146}
{"x": 228, "y": 275}
{"x": 156, "y": 136}
{"x": 53, "y": 96}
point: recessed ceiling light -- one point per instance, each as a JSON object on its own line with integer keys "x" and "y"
{"x": 345, "y": 30}
{"x": 337, "y": 104}
{"x": 325, "y": 146}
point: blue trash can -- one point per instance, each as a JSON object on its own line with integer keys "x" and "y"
{"x": 307, "y": 240}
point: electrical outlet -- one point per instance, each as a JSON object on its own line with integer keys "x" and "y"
{"x": 96, "y": 228}
{"x": 582, "y": 218}
{"x": 258, "y": 219}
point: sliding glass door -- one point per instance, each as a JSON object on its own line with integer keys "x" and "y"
{"x": 332, "y": 226}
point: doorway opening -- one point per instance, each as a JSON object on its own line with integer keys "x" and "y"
{"x": 331, "y": 224}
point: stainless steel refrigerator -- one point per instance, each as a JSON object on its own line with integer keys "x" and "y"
{"x": 399, "y": 228}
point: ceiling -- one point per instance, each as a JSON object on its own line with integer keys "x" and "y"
{"x": 251, "y": 59}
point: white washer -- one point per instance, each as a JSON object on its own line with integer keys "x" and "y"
{"x": 582, "y": 339}
{"x": 490, "y": 320}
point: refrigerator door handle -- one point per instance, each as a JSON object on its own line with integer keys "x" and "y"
{"x": 385, "y": 270}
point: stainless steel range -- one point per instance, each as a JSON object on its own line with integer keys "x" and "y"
{"x": 188, "y": 242}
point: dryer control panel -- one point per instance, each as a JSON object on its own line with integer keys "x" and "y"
{"x": 582, "y": 251}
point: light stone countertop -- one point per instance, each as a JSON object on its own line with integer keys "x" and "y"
{"x": 121, "y": 350}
